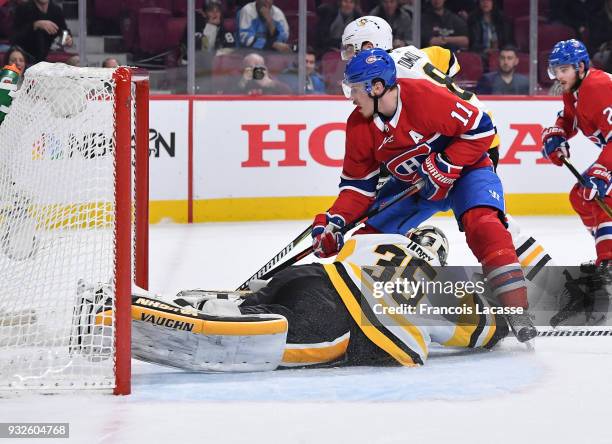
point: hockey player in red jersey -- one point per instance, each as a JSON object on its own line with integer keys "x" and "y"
{"x": 587, "y": 106}
{"x": 422, "y": 133}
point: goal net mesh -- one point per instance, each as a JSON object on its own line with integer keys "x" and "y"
{"x": 57, "y": 222}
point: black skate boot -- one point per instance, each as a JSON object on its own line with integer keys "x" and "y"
{"x": 599, "y": 290}
{"x": 589, "y": 293}
{"x": 522, "y": 326}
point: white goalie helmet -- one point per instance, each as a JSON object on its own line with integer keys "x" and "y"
{"x": 366, "y": 29}
{"x": 431, "y": 238}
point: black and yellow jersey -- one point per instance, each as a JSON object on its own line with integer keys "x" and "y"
{"x": 367, "y": 262}
{"x": 438, "y": 65}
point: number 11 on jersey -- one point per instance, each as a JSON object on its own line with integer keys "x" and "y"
{"x": 459, "y": 116}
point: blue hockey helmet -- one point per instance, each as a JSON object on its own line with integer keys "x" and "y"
{"x": 567, "y": 52}
{"x": 367, "y": 66}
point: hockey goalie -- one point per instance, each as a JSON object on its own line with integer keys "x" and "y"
{"x": 309, "y": 315}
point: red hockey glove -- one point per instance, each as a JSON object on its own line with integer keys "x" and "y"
{"x": 598, "y": 182}
{"x": 439, "y": 175}
{"x": 555, "y": 145}
{"x": 326, "y": 238}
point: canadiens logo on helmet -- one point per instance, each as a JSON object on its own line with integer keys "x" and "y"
{"x": 370, "y": 59}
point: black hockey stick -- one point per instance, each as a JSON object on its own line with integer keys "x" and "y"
{"x": 582, "y": 182}
{"x": 361, "y": 219}
{"x": 281, "y": 254}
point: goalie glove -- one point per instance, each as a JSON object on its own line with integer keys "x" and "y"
{"x": 326, "y": 237}
{"x": 555, "y": 145}
{"x": 439, "y": 176}
{"x": 598, "y": 181}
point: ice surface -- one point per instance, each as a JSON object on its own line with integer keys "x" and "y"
{"x": 557, "y": 394}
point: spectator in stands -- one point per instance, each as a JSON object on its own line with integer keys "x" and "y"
{"x": 315, "y": 84}
{"x": 441, "y": 27}
{"x": 489, "y": 29}
{"x": 399, "y": 19}
{"x": 256, "y": 79}
{"x": 505, "y": 80}
{"x": 210, "y": 34}
{"x": 36, "y": 25}
{"x": 332, "y": 21}
{"x": 16, "y": 56}
{"x": 110, "y": 62}
{"x": 261, "y": 25}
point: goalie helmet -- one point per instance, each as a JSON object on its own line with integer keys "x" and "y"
{"x": 366, "y": 29}
{"x": 433, "y": 239}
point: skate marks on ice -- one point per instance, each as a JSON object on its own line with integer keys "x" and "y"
{"x": 447, "y": 375}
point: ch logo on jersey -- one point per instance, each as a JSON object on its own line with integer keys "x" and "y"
{"x": 405, "y": 166}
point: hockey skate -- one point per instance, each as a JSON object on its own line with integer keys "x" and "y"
{"x": 588, "y": 294}
{"x": 522, "y": 326}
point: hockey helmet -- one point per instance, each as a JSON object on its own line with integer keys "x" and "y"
{"x": 365, "y": 68}
{"x": 567, "y": 52}
{"x": 431, "y": 238}
{"x": 368, "y": 28}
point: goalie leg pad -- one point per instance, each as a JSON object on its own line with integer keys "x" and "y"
{"x": 189, "y": 339}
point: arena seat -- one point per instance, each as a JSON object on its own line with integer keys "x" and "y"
{"x": 549, "y": 34}
{"x": 471, "y": 68}
{"x": 514, "y": 9}
{"x": 108, "y": 9}
{"x": 152, "y": 30}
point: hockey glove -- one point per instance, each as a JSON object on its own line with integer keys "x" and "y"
{"x": 555, "y": 145}
{"x": 326, "y": 237}
{"x": 598, "y": 182}
{"x": 439, "y": 176}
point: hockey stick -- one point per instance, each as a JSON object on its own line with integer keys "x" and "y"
{"x": 584, "y": 331}
{"x": 582, "y": 182}
{"x": 281, "y": 254}
{"x": 359, "y": 220}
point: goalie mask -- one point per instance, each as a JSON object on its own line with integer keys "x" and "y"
{"x": 431, "y": 238}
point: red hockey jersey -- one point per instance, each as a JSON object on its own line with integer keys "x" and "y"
{"x": 428, "y": 118}
{"x": 589, "y": 110}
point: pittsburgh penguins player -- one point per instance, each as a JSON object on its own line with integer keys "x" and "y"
{"x": 359, "y": 310}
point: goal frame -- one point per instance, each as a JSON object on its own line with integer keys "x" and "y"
{"x": 127, "y": 81}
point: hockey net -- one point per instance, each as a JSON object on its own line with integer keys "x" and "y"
{"x": 73, "y": 226}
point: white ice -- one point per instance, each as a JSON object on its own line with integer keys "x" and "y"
{"x": 557, "y": 394}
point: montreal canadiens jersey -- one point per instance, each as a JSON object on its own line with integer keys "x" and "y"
{"x": 362, "y": 267}
{"x": 589, "y": 110}
{"x": 428, "y": 118}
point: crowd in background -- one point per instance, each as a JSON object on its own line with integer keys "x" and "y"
{"x": 252, "y": 46}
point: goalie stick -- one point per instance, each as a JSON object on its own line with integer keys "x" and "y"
{"x": 582, "y": 182}
{"x": 359, "y": 220}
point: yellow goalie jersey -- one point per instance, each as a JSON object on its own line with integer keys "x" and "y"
{"x": 438, "y": 65}
{"x": 373, "y": 275}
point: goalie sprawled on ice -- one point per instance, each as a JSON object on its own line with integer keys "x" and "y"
{"x": 314, "y": 314}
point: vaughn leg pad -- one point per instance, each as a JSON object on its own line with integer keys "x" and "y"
{"x": 185, "y": 338}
